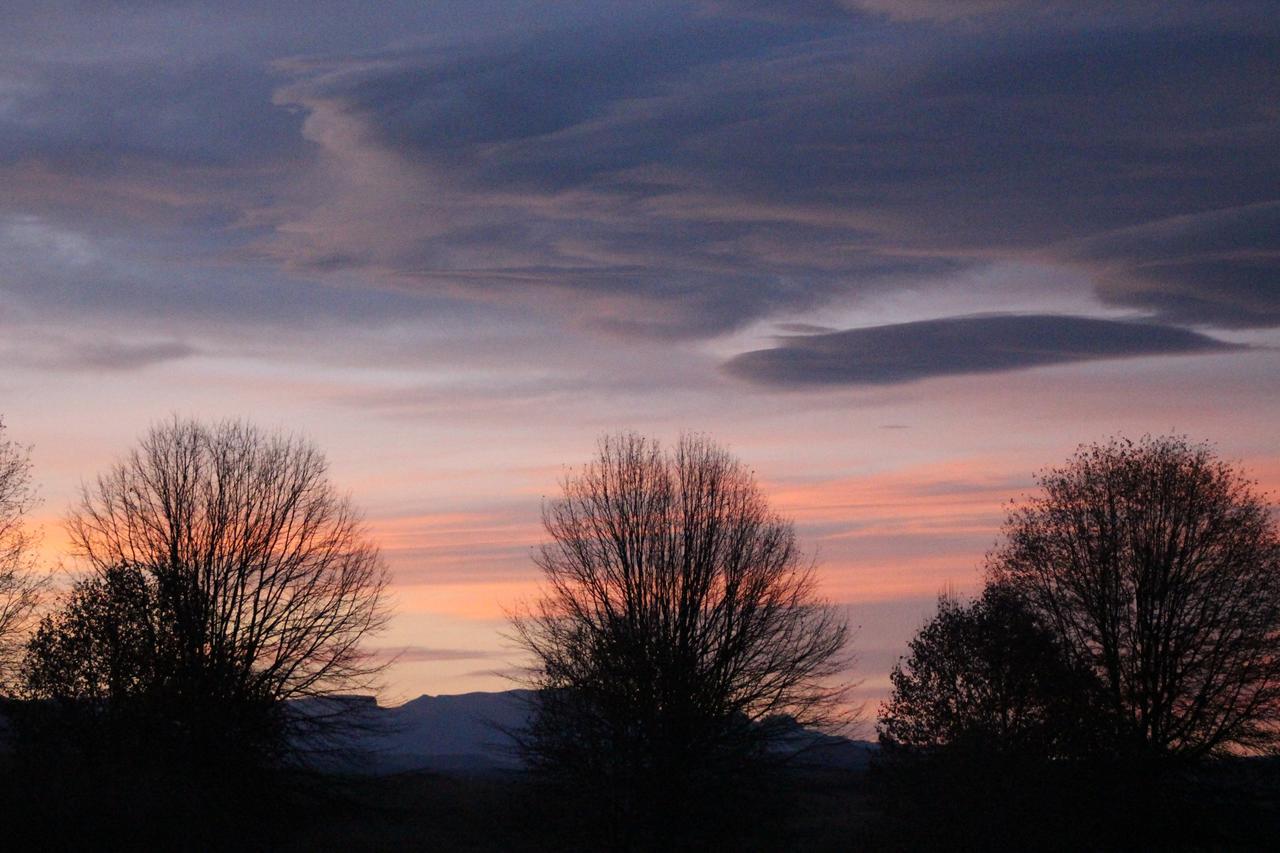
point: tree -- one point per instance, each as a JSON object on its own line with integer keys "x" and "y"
{"x": 104, "y": 654}
{"x": 104, "y": 643}
{"x": 678, "y": 637}
{"x": 20, "y": 585}
{"x": 1158, "y": 568}
{"x": 988, "y": 677}
{"x": 227, "y": 577}
{"x": 986, "y": 736}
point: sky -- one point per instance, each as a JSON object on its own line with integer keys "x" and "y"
{"x": 897, "y": 255}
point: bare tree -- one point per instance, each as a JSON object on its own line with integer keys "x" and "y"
{"x": 255, "y": 579}
{"x": 1158, "y": 566}
{"x": 679, "y": 635}
{"x": 20, "y": 585}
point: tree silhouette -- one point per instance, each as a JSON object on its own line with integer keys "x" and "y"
{"x": 1158, "y": 568}
{"x": 226, "y": 577}
{"x": 20, "y": 585}
{"x": 987, "y": 738}
{"x": 105, "y": 657}
{"x": 988, "y": 677}
{"x": 982, "y": 734}
{"x": 679, "y": 637}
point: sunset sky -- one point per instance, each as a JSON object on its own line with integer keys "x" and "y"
{"x": 896, "y": 255}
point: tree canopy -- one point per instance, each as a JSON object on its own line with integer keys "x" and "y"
{"x": 226, "y": 574}
{"x": 1157, "y": 566}
{"x": 988, "y": 677}
{"x": 679, "y": 634}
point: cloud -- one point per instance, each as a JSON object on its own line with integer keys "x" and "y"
{"x": 116, "y": 355}
{"x": 1219, "y": 268}
{"x": 427, "y": 654}
{"x": 59, "y": 353}
{"x": 54, "y": 272}
{"x": 803, "y": 328}
{"x": 655, "y": 170}
{"x": 91, "y": 116}
{"x": 536, "y": 171}
{"x": 905, "y": 352}
{"x": 520, "y": 675}
{"x": 684, "y": 175}
{"x": 945, "y": 10}
{"x": 910, "y": 10}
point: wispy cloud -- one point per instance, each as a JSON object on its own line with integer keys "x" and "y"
{"x": 56, "y": 353}
{"x": 664, "y": 170}
{"x": 427, "y": 654}
{"x": 684, "y": 176}
{"x": 1213, "y": 268}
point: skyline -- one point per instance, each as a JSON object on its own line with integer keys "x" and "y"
{"x": 897, "y": 257}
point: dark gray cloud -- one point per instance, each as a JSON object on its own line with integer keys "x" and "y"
{"x": 1219, "y": 268}
{"x": 655, "y": 169}
{"x": 904, "y": 352}
{"x": 1003, "y": 14}
{"x": 101, "y": 116}
{"x": 688, "y": 174}
{"x": 530, "y": 156}
{"x": 780, "y": 10}
{"x": 904, "y": 10}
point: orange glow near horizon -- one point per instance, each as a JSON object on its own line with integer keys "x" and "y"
{"x": 886, "y": 541}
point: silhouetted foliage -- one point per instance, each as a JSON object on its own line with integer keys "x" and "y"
{"x": 1157, "y": 566}
{"x": 981, "y": 736}
{"x": 226, "y": 578}
{"x": 20, "y": 585}
{"x": 989, "y": 677}
{"x": 109, "y": 641}
{"x": 679, "y": 637}
{"x": 109, "y": 671}
{"x": 1132, "y": 614}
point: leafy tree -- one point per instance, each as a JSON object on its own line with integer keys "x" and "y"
{"x": 988, "y": 677}
{"x": 679, "y": 638}
{"x": 102, "y": 659}
{"x": 1157, "y": 566}
{"x": 104, "y": 643}
{"x": 980, "y": 736}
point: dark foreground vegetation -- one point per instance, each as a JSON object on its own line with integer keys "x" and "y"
{"x": 1234, "y": 805}
{"x": 1231, "y": 806}
{"x": 1116, "y": 685}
